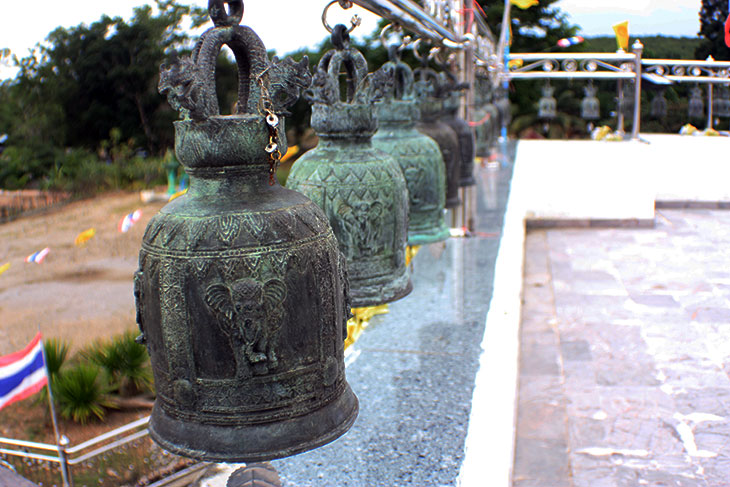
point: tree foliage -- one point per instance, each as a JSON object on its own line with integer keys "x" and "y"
{"x": 91, "y": 87}
{"x": 712, "y": 29}
{"x": 534, "y": 29}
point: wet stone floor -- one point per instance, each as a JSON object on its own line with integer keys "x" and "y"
{"x": 625, "y": 355}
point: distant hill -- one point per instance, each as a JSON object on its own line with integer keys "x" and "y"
{"x": 657, "y": 47}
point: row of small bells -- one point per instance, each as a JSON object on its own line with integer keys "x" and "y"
{"x": 590, "y": 106}
{"x": 242, "y": 291}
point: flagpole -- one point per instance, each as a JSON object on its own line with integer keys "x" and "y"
{"x": 61, "y": 442}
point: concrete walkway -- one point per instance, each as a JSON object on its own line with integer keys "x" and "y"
{"x": 625, "y": 354}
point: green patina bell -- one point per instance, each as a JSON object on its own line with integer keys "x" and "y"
{"x": 418, "y": 156}
{"x": 430, "y": 94}
{"x": 360, "y": 188}
{"x": 241, "y": 289}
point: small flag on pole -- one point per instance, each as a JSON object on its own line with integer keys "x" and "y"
{"x": 22, "y": 373}
{"x": 37, "y": 257}
{"x": 622, "y": 34}
{"x": 84, "y": 237}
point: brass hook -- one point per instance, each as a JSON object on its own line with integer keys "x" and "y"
{"x": 345, "y": 4}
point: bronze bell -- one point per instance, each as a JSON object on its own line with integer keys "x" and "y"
{"x": 464, "y": 133}
{"x": 547, "y": 106}
{"x": 481, "y": 116}
{"x": 590, "y": 107}
{"x": 658, "y": 106}
{"x": 696, "y": 106}
{"x": 430, "y": 94}
{"x": 241, "y": 291}
{"x": 721, "y": 102}
{"x": 361, "y": 189}
{"x": 417, "y": 155}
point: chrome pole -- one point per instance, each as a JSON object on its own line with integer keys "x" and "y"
{"x": 637, "y": 49}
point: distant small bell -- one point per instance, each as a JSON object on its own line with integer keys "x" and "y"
{"x": 360, "y": 188}
{"x": 696, "y": 106}
{"x": 241, "y": 290}
{"x": 547, "y": 105}
{"x": 721, "y": 102}
{"x": 590, "y": 107}
{"x": 419, "y": 157}
{"x": 658, "y": 107}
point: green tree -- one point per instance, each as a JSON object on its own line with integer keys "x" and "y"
{"x": 712, "y": 29}
{"x": 534, "y": 29}
{"x": 91, "y": 79}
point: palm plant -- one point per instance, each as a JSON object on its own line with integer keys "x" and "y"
{"x": 82, "y": 392}
{"x": 126, "y": 363}
{"x": 55, "y": 352}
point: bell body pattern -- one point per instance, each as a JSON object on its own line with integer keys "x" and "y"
{"x": 360, "y": 188}
{"x": 419, "y": 159}
{"x": 241, "y": 290}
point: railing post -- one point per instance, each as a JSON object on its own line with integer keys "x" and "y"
{"x": 709, "y": 100}
{"x": 63, "y": 465}
{"x": 637, "y": 48}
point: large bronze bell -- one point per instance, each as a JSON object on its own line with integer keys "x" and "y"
{"x": 430, "y": 94}
{"x": 418, "y": 156}
{"x": 361, "y": 189}
{"x": 241, "y": 289}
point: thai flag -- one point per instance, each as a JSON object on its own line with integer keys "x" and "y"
{"x": 22, "y": 373}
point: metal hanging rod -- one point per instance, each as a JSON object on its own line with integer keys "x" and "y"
{"x": 412, "y": 17}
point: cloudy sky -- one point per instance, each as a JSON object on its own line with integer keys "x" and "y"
{"x": 286, "y": 25}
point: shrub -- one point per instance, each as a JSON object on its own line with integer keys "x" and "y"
{"x": 126, "y": 363}
{"x": 55, "y": 352}
{"x": 82, "y": 392}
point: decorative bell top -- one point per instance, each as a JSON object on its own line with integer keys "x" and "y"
{"x": 354, "y": 116}
{"x": 399, "y": 103}
{"x": 204, "y": 137}
{"x": 430, "y": 92}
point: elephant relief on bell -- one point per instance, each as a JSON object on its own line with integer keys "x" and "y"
{"x": 249, "y": 313}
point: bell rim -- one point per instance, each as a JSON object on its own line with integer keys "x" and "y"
{"x": 315, "y": 421}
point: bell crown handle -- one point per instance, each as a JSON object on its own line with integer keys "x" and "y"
{"x": 189, "y": 82}
{"x": 361, "y": 87}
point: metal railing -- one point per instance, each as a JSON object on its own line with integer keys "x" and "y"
{"x": 621, "y": 66}
{"x": 66, "y": 457}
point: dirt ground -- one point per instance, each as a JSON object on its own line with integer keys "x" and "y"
{"x": 80, "y": 294}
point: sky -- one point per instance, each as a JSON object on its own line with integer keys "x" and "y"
{"x": 286, "y": 25}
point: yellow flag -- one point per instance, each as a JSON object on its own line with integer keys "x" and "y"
{"x": 84, "y": 236}
{"x": 4, "y": 267}
{"x": 622, "y": 34}
{"x": 524, "y": 3}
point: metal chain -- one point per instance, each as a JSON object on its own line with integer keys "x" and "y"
{"x": 272, "y": 122}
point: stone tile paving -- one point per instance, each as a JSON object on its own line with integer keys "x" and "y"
{"x": 626, "y": 354}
